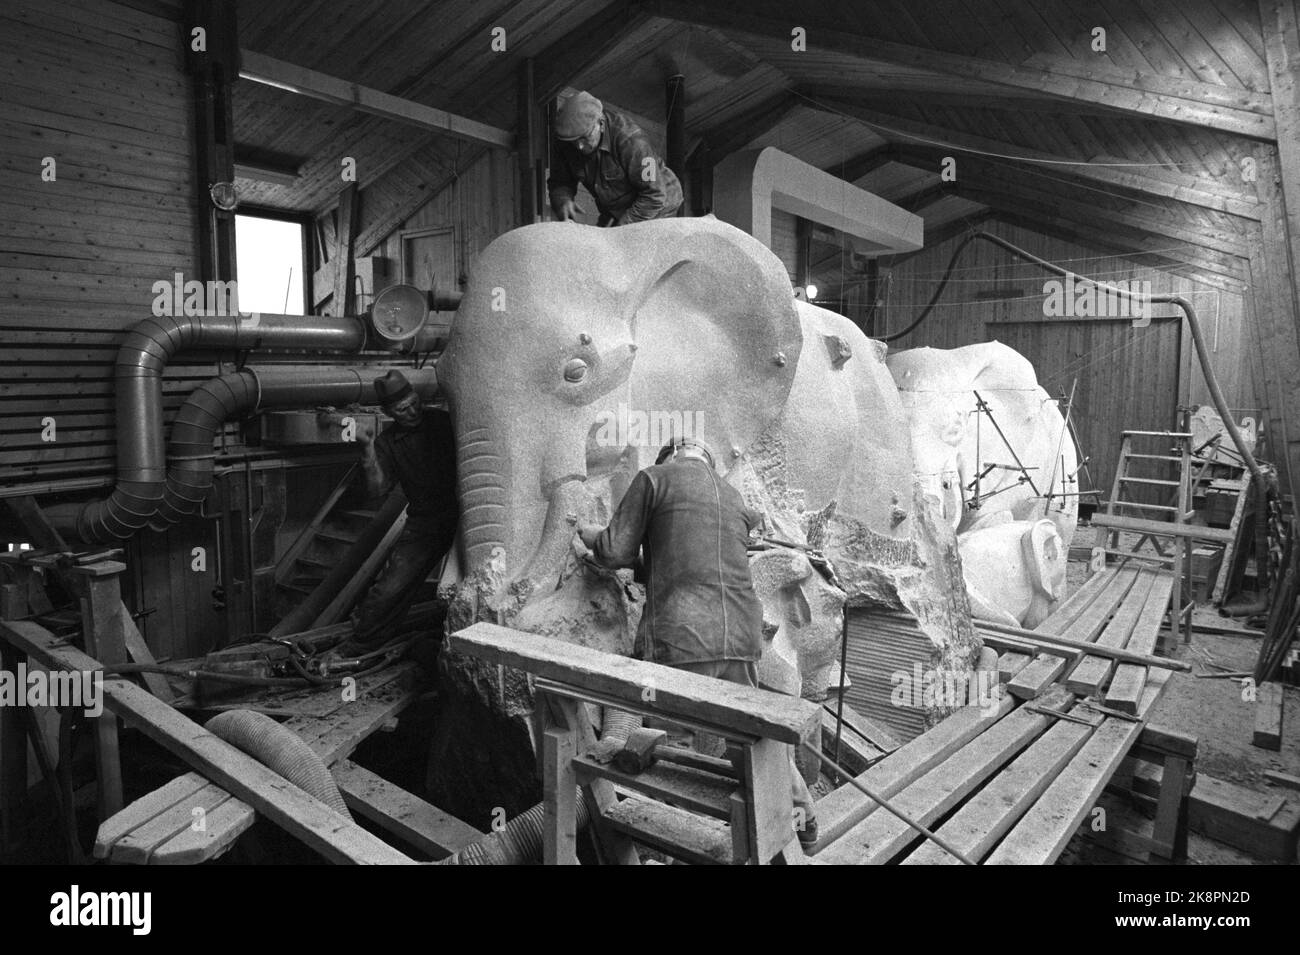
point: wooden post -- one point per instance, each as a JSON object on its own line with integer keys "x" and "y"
{"x": 701, "y": 181}
{"x": 344, "y": 265}
{"x": 526, "y": 152}
{"x": 559, "y": 787}
{"x": 102, "y": 620}
{"x": 13, "y": 757}
{"x": 1279, "y": 316}
{"x": 1279, "y": 185}
{"x": 214, "y": 71}
{"x": 675, "y": 149}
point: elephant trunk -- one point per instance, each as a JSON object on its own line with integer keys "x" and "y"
{"x": 520, "y": 487}
{"x": 482, "y": 495}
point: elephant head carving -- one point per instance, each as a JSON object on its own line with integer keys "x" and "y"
{"x": 567, "y": 334}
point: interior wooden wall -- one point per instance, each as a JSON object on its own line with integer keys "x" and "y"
{"x": 82, "y": 252}
{"x": 1128, "y": 378}
{"x": 478, "y": 205}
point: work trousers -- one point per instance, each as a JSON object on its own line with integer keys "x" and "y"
{"x": 745, "y": 672}
{"x": 415, "y": 555}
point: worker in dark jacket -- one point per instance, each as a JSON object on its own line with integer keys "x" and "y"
{"x": 701, "y": 613}
{"x": 611, "y": 156}
{"x": 418, "y": 452}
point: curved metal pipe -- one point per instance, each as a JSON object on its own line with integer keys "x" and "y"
{"x": 144, "y": 483}
{"x": 190, "y": 456}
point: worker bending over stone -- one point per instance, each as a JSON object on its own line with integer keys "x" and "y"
{"x": 417, "y": 452}
{"x": 611, "y": 156}
{"x": 701, "y": 612}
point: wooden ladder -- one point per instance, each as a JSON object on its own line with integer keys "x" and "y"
{"x": 1168, "y": 532}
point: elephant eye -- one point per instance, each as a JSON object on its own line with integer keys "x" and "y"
{"x": 575, "y": 369}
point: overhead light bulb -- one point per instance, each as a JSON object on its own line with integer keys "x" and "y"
{"x": 811, "y": 291}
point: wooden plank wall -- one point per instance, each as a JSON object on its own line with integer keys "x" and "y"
{"x": 1129, "y": 378}
{"x": 101, "y": 89}
{"x": 479, "y": 205}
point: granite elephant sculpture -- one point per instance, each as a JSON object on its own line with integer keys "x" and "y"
{"x": 576, "y": 352}
{"x": 953, "y": 441}
{"x": 1009, "y": 561}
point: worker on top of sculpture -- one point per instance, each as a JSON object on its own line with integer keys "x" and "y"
{"x": 701, "y": 613}
{"x": 611, "y": 156}
{"x": 418, "y": 452}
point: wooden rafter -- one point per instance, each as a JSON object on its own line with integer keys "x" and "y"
{"x": 737, "y": 131}
{"x": 260, "y": 68}
{"x": 977, "y": 175}
{"x": 1171, "y": 185}
{"x": 1144, "y": 94}
{"x": 565, "y": 61}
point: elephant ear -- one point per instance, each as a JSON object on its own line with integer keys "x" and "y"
{"x": 713, "y": 316}
{"x": 1043, "y": 557}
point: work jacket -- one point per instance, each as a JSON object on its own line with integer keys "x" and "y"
{"x": 628, "y": 180}
{"x": 692, "y": 529}
{"x": 423, "y": 461}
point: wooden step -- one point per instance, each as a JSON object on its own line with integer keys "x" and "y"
{"x": 1140, "y": 525}
{"x": 360, "y": 514}
{"x": 313, "y": 562}
{"x": 1156, "y": 457}
{"x": 1138, "y": 480}
{"x": 682, "y": 835}
{"x": 676, "y": 784}
{"x": 305, "y": 591}
{"x": 1146, "y": 507}
{"x": 1158, "y": 434}
{"x": 332, "y": 535}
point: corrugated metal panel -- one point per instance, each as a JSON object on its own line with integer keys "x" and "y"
{"x": 881, "y": 644}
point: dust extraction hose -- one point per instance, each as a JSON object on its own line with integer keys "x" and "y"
{"x": 281, "y": 750}
{"x": 520, "y": 841}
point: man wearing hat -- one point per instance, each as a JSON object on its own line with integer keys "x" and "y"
{"x": 417, "y": 452}
{"x": 611, "y": 156}
{"x": 701, "y": 613}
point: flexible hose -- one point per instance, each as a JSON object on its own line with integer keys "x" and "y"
{"x": 619, "y": 725}
{"x": 281, "y": 750}
{"x": 519, "y": 842}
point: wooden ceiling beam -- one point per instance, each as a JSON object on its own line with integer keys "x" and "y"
{"x": 855, "y": 167}
{"x": 1120, "y": 245}
{"x": 259, "y": 68}
{"x": 1071, "y": 210}
{"x": 565, "y": 61}
{"x": 974, "y": 172}
{"x": 1171, "y": 185}
{"x": 1144, "y": 94}
{"x": 1112, "y": 235}
{"x": 735, "y": 133}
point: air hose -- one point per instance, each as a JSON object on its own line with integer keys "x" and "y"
{"x": 519, "y": 842}
{"x": 279, "y": 749}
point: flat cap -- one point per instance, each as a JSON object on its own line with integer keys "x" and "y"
{"x": 576, "y": 117}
